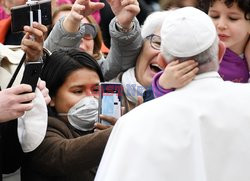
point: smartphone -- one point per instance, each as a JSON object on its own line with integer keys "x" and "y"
{"x": 31, "y": 74}
{"x": 110, "y": 100}
{"x": 20, "y": 15}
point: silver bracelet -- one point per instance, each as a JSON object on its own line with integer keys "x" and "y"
{"x": 122, "y": 29}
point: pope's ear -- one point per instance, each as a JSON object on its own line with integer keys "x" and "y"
{"x": 222, "y": 49}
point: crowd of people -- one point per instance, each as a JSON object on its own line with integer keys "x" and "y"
{"x": 185, "y": 70}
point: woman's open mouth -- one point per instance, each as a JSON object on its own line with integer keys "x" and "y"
{"x": 155, "y": 68}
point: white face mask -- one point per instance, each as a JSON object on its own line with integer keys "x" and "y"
{"x": 83, "y": 114}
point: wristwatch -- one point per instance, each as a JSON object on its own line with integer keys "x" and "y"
{"x": 46, "y": 54}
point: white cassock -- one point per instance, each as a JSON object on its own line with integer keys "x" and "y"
{"x": 198, "y": 133}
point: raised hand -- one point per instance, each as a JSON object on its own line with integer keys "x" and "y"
{"x": 125, "y": 11}
{"x": 32, "y": 42}
{"x": 80, "y": 9}
{"x": 177, "y": 75}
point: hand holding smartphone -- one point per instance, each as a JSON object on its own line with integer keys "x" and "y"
{"x": 110, "y": 100}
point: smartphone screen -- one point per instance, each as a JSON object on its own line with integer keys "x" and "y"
{"x": 20, "y": 15}
{"x": 110, "y": 100}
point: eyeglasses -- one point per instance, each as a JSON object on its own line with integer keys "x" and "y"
{"x": 90, "y": 31}
{"x": 155, "y": 41}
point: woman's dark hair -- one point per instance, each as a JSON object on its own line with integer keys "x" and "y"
{"x": 244, "y": 5}
{"x": 60, "y": 64}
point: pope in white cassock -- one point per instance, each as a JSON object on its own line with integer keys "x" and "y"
{"x": 200, "y": 132}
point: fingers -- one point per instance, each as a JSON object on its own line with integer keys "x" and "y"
{"x": 185, "y": 64}
{"x": 76, "y": 11}
{"x": 15, "y": 101}
{"x": 21, "y": 93}
{"x": 173, "y": 63}
{"x": 41, "y": 85}
{"x": 21, "y": 108}
{"x": 92, "y": 7}
{"x": 187, "y": 78}
{"x": 189, "y": 66}
{"x": 100, "y": 126}
{"x": 129, "y": 2}
{"x": 96, "y": 5}
{"x": 133, "y": 8}
{"x": 19, "y": 89}
{"x": 131, "y": 5}
{"x": 78, "y": 6}
{"x": 38, "y": 26}
{"x": 33, "y": 47}
{"x": 190, "y": 75}
{"x": 21, "y": 102}
{"x": 76, "y": 16}
{"x": 38, "y": 30}
{"x": 45, "y": 93}
{"x": 110, "y": 119}
{"x": 25, "y": 97}
{"x": 83, "y": 8}
{"x": 180, "y": 69}
{"x": 177, "y": 75}
{"x": 124, "y": 10}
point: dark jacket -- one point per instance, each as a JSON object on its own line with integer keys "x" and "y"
{"x": 65, "y": 154}
{"x": 11, "y": 153}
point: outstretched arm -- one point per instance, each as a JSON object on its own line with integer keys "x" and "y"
{"x": 80, "y": 9}
{"x": 68, "y": 31}
{"x": 126, "y": 40}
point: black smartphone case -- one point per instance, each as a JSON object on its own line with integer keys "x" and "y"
{"x": 31, "y": 74}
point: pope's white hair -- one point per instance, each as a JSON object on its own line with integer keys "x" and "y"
{"x": 153, "y": 22}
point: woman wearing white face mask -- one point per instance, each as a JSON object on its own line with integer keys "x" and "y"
{"x": 71, "y": 149}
